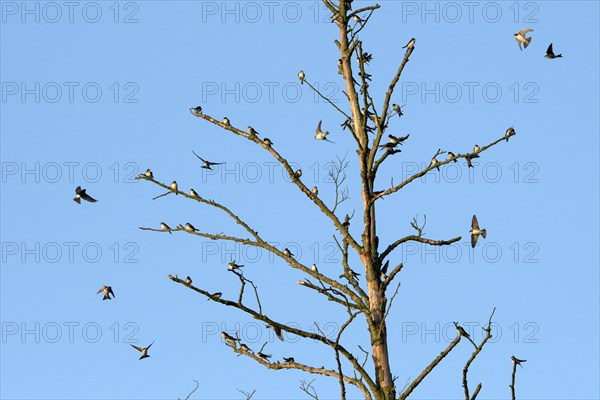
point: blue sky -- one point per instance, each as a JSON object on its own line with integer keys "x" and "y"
{"x": 93, "y": 93}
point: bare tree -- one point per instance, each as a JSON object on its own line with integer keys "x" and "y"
{"x": 366, "y": 124}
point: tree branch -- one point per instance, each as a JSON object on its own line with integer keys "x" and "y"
{"x": 478, "y": 349}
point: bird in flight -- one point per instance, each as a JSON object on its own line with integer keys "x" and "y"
{"x": 81, "y": 194}
{"x": 476, "y": 231}
{"x": 522, "y": 38}
{"x": 143, "y": 350}
{"x": 107, "y": 292}
{"x": 207, "y": 164}
{"x": 320, "y": 135}
{"x": 550, "y": 53}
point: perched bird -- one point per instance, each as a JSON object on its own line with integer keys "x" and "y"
{"x": 301, "y": 77}
{"x": 174, "y": 187}
{"x": 410, "y": 44}
{"x": 461, "y": 331}
{"x": 245, "y": 348}
{"x": 469, "y": 164}
{"x": 277, "y": 331}
{"x": 451, "y": 156}
{"x": 143, "y": 350}
{"x": 207, "y": 164}
{"x": 397, "y": 109}
{"x": 475, "y": 231}
{"x": 354, "y": 274}
{"x": 384, "y": 270}
{"x": 509, "y": 132}
{"x": 434, "y": 163}
{"x": 358, "y": 20}
{"x": 81, "y": 194}
{"x": 346, "y": 222}
{"x": 268, "y": 142}
{"x": 314, "y": 268}
{"x": 522, "y": 39}
{"x": 289, "y": 360}
{"x": 193, "y": 193}
{"x": 287, "y": 252}
{"x": 190, "y": 228}
{"x": 389, "y": 146}
{"x": 196, "y": 110}
{"x": 165, "y": 227}
{"x": 226, "y": 121}
{"x": 517, "y": 361}
{"x": 229, "y": 339}
{"x": 188, "y": 281}
{"x": 315, "y": 191}
{"x": 298, "y": 173}
{"x": 107, "y": 292}
{"x": 215, "y": 296}
{"x": 366, "y": 76}
{"x": 320, "y": 135}
{"x": 148, "y": 174}
{"x": 340, "y": 66}
{"x": 233, "y": 266}
{"x": 550, "y": 53}
{"x": 264, "y": 356}
{"x": 252, "y": 131}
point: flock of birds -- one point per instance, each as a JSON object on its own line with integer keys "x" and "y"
{"x": 320, "y": 134}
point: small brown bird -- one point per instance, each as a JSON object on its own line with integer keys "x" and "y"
{"x": 277, "y": 331}
{"x": 517, "y": 361}
{"x": 289, "y": 360}
{"x": 550, "y": 53}
{"x": 107, "y": 292}
{"x": 81, "y": 194}
{"x": 143, "y": 350}
{"x": 475, "y": 231}
{"x": 264, "y": 356}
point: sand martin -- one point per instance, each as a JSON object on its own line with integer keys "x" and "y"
{"x": 190, "y": 228}
{"x": 301, "y": 77}
{"x": 461, "y": 331}
{"x": 384, "y": 270}
{"x": 188, "y": 281}
{"x": 315, "y": 191}
{"x": 277, "y": 331}
{"x": 451, "y": 156}
{"x": 245, "y": 348}
{"x": 226, "y": 121}
{"x": 193, "y": 193}
{"x": 517, "y": 361}
{"x": 288, "y": 253}
{"x": 522, "y": 39}
{"x": 469, "y": 164}
{"x": 434, "y": 163}
{"x": 289, "y": 360}
{"x": 298, "y": 173}
{"x": 397, "y": 109}
{"x": 550, "y": 53}
{"x": 148, "y": 174}
{"x": 233, "y": 266}
{"x": 264, "y": 356}
{"x": 410, "y": 44}
{"x": 314, "y": 268}
{"x": 174, "y": 187}
{"x": 268, "y": 142}
{"x": 81, "y": 194}
{"x": 320, "y": 135}
{"x": 143, "y": 350}
{"x": 165, "y": 227}
{"x": 107, "y": 292}
{"x": 252, "y": 131}
{"x": 215, "y": 296}
{"x": 207, "y": 164}
{"x": 229, "y": 339}
{"x": 475, "y": 231}
{"x": 196, "y": 110}
{"x": 509, "y": 132}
